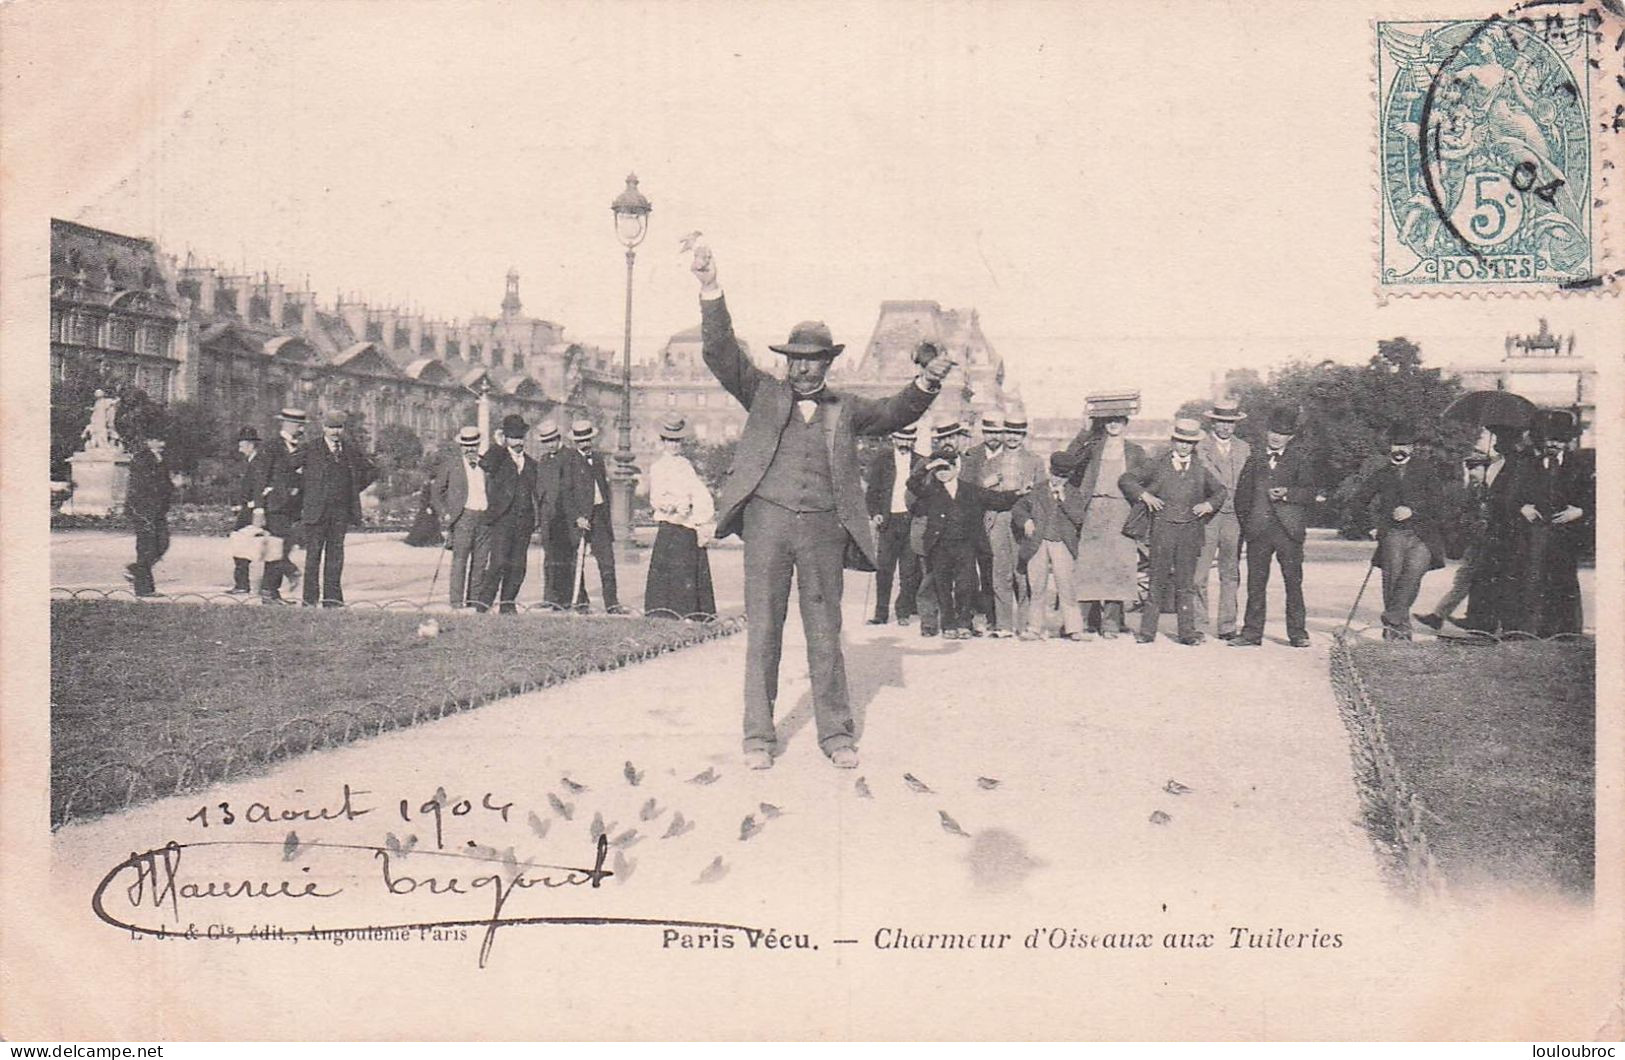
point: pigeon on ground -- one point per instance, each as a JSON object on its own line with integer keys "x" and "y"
{"x": 290, "y": 846}
{"x": 622, "y": 867}
{"x": 769, "y": 811}
{"x": 986, "y": 783}
{"x": 708, "y": 777}
{"x": 916, "y": 784}
{"x": 679, "y": 825}
{"x": 1158, "y": 817}
{"x": 572, "y": 786}
{"x": 950, "y": 825}
{"x": 632, "y": 775}
{"x": 563, "y": 809}
{"x": 748, "y": 827}
{"x": 538, "y": 825}
{"x": 598, "y": 828}
{"x": 863, "y": 789}
{"x": 626, "y": 838}
{"x": 650, "y": 811}
{"x": 714, "y": 871}
{"x": 1174, "y": 787}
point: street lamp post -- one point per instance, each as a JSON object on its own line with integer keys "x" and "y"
{"x": 631, "y": 211}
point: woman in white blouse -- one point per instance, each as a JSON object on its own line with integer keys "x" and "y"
{"x": 679, "y": 570}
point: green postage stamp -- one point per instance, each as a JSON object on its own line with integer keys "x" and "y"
{"x": 1486, "y": 155}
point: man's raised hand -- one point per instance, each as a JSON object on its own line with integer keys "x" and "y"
{"x": 704, "y": 266}
{"x": 936, "y": 370}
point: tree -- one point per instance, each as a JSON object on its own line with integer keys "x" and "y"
{"x": 196, "y": 433}
{"x": 399, "y": 456}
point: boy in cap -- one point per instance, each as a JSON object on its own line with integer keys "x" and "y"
{"x": 1410, "y": 527}
{"x": 1050, "y": 519}
{"x": 952, "y": 508}
{"x": 463, "y": 497}
{"x": 284, "y": 477}
{"x": 1181, "y": 493}
{"x": 147, "y": 503}
{"x": 330, "y": 503}
{"x": 888, "y": 510}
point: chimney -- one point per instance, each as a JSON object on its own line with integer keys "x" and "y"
{"x": 279, "y": 301}
{"x": 466, "y": 342}
{"x": 354, "y": 315}
{"x": 307, "y": 310}
{"x": 414, "y": 332}
{"x": 437, "y": 336}
{"x": 388, "y": 319}
{"x": 243, "y": 288}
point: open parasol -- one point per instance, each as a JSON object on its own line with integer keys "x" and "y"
{"x": 1492, "y": 408}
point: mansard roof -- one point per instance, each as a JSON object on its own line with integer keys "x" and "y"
{"x": 366, "y": 357}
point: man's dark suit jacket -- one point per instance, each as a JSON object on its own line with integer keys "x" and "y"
{"x": 284, "y": 477}
{"x": 882, "y": 477}
{"x": 771, "y": 403}
{"x": 150, "y": 489}
{"x": 249, "y": 492}
{"x": 577, "y": 475}
{"x": 1295, "y": 472}
{"x": 1179, "y": 491}
{"x": 963, "y": 511}
{"x": 320, "y": 467}
{"x": 515, "y": 493}
{"x": 1043, "y": 509}
{"x": 1420, "y": 490}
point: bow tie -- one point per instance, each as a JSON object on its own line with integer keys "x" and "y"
{"x": 819, "y": 396}
{"x": 1276, "y": 452}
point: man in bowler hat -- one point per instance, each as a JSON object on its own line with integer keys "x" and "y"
{"x": 1410, "y": 527}
{"x": 335, "y": 474}
{"x": 147, "y": 503}
{"x": 1273, "y": 496}
{"x": 513, "y": 516}
{"x": 283, "y": 489}
{"x": 247, "y": 502}
{"x": 1551, "y": 500}
{"x": 886, "y": 493}
{"x": 795, "y": 495}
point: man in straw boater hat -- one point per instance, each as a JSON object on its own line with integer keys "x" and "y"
{"x": 558, "y": 542}
{"x": 795, "y": 495}
{"x": 1273, "y": 496}
{"x": 584, "y": 498}
{"x": 1181, "y": 494}
{"x": 1016, "y": 468}
{"x": 952, "y": 434}
{"x": 463, "y": 497}
{"x": 976, "y": 461}
{"x": 513, "y": 516}
{"x": 888, "y": 510}
{"x": 1225, "y": 455}
{"x": 284, "y": 475}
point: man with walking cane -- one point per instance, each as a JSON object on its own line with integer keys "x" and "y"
{"x": 512, "y": 517}
{"x": 461, "y": 498}
{"x": 584, "y": 497}
{"x": 1410, "y": 528}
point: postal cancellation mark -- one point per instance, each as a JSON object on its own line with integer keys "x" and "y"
{"x": 1486, "y": 154}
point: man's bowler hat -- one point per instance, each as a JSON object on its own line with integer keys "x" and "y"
{"x": 248, "y": 434}
{"x": 1060, "y": 463}
{"x": 1283, "y": 421}
{"x": 514, "y": 425}
{"x": 810, "y": 338}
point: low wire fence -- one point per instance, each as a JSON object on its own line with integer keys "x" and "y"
{"x": 186, "y": 763}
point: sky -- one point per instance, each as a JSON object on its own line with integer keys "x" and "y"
{"x": 1129, "y": 197}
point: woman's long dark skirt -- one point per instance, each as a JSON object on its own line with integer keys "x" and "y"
{"x": 679, "y": 575}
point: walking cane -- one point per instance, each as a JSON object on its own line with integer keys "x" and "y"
{"x": 580, "y": 585}
{"x": 436, "y": 579}
{"x": 1361, "y": 593}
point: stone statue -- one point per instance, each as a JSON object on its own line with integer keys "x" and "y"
{"x": 100, "y": 432}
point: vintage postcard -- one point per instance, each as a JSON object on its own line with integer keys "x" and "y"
{"x": 810, "y": 521}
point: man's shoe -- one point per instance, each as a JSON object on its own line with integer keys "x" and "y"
{"x": 1141, "y": 638}
{"x": 844, "y": 758}
{"x": 1228, "y": 635}
{"x": 1076, "y": 637}
{"x": 237, "y": 590}
{"x": 1001, "y": 634}
{"x": 1433, "y": 622}
{"x": 1028, "y": 634}
{"x": 290, "y": 577}
{"x": 129, "y": 572}
{"x": 1241, "y": 640}
{"x": 616, "y": 609}
{"x": 1299, "y": 642}
{"x": 1108, "y": 634}
{"x": 903, "y": 620}
{"x": 1190, "y": 641}
{"x": 927, "y": 631}
{"x": 758, "y": 760}
{"x": 875, "y": 622}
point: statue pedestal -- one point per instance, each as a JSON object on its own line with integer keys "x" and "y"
{"x": 101, "y": 478}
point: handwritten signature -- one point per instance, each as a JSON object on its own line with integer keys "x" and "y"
{"x": 154, "y": 880}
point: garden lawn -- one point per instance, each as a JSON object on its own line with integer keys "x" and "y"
{"x": 1499, "y": 740}
{"x": 150, "y": 698}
